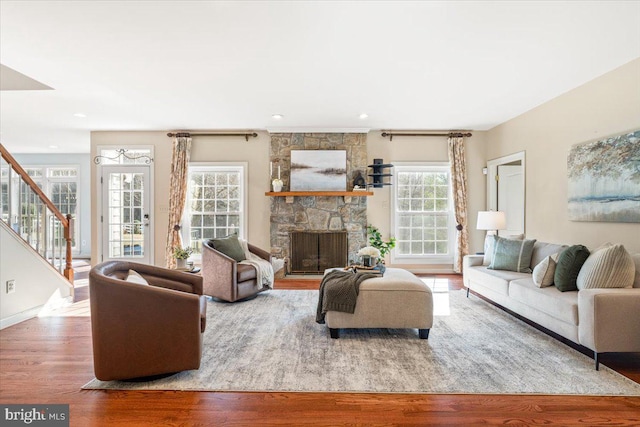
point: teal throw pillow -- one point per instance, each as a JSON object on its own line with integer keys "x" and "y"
{"x": 512, "y": 255}
{"x": 569, "y": 264}
{"x": 230, "y": 246}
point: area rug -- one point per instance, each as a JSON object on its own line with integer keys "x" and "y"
{"x": 272, "y": 343}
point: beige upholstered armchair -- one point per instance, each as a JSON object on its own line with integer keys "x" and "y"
{"x": 145, "y": 324}
{"x": 225, "y": 278}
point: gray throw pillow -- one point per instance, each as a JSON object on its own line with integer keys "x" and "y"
{"x": 230, "y": 246}
{"x": 488, "y": 246}
{"x": 512, "y": 255}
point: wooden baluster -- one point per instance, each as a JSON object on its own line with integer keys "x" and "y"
{"x": 68, "y": 235}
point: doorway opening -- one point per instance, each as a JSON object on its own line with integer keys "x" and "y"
{"x": 506, "y": 191}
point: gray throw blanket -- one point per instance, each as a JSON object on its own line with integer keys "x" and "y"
{"x": 339, "y": 291}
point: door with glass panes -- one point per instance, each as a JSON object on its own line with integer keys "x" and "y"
{"x": 126, "y": 214}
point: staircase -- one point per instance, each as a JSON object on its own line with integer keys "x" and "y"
{"x": 30, "y": 214}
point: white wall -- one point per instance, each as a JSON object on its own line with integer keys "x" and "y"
{"x": 608, "y": 105}
{"x": 83, "y": 161}
{"x": 37, "y": 283}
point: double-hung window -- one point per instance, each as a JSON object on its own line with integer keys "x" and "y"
{"x": 216, "y": 203}
{"x": 422, "y": 216}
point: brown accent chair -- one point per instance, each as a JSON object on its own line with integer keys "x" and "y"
{"x": 139, "y": 330}
{"x": 225, "y": 278}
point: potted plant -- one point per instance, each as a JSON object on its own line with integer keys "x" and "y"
{"x": 375, "y": 240}
{"x": 181, "y": 255}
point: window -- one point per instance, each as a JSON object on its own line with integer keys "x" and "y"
{"x": 125, "y": 156}
{"x": 215, "y": 205}
{"x": 423, "y": 213}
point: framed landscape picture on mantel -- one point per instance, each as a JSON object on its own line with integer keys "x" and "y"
{"x": 604, "y": 179}
{"x": 318, "y": 170}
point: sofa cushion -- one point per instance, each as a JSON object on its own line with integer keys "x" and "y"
{"x": 543, "y": 272}
{"x": 512, "y": 255}
{"x": 230, "y": 246}
{"x": 561, "y": 305}
{"x": 609, "y": 267}
{"x": 636, "y": 261}
{"x": 541, "y": 250}
{"x": 569, "y": 264}
{"x": 496, "y": 280}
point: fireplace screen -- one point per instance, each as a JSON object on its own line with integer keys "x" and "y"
{"x": 314, "y": 252}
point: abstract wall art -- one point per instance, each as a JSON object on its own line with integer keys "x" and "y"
{"x": 604, "y": 179}
{"x": 318, "y": 170}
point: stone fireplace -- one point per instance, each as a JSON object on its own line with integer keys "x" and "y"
{"x": 313, "y": 213}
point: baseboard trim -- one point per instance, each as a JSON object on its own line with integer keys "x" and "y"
{"x": 20, "y": 317}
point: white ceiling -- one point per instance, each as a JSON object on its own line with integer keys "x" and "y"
{"x": 165, "y": 65}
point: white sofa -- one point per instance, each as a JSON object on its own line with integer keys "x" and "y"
{"x": 603, "y": 320}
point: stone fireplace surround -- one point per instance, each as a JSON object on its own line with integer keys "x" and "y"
{"x": 318, "y": 214}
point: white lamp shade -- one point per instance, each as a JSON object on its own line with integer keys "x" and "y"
{"x": 491, "y": 220}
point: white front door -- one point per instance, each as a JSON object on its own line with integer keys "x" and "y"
{"x": 126, "y": 214}
{"x": 511, "y": 198}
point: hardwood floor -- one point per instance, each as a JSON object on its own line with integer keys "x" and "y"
{"x": 47, "y": 360}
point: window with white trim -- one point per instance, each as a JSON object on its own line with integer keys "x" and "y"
{"x": 215, "y": 205}
{"x": 423, "y": 213}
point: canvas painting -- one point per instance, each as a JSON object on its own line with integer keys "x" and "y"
{"x": 604, "y": 180}
{"x": 318, "y": 170}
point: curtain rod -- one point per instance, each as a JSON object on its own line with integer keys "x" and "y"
{"x": 190, "y": 134}
{"x": 449, "y": 134}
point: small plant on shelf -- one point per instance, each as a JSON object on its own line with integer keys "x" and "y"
{"x": 375, "y": 240}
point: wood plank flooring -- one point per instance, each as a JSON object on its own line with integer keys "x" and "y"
{"x": 47, "y": 360}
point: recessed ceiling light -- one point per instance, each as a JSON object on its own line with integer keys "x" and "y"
{"x": 277, "y": 116}
{"x": 53, "y": 146}
{"x": 80, "y": 115}
{"x": 364, "y": 115}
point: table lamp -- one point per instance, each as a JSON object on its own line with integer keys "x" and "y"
{"x": 492, "y": 221}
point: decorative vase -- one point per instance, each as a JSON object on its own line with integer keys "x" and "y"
{"x": 181, "y": 264}
{"x": 277, "y": 185}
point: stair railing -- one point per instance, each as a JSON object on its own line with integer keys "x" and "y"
{"x": 35, "y": 218}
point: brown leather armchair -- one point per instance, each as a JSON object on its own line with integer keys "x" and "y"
{"x": 141, "y": 330}
{"x": 225, "y": 278}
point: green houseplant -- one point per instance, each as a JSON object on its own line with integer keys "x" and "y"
{"x": 181, "y": 255}
{"x": 375, "y": 240}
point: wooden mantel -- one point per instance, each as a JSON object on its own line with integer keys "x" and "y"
{"x": 289, "y": 195}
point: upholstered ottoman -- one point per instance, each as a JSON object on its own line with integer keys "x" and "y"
{"x": 397, "y": 300}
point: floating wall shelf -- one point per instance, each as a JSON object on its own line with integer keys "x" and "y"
{"x": 378, "y": 173}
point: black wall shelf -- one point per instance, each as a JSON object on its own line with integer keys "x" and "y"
{"x": 378, "y": 173}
